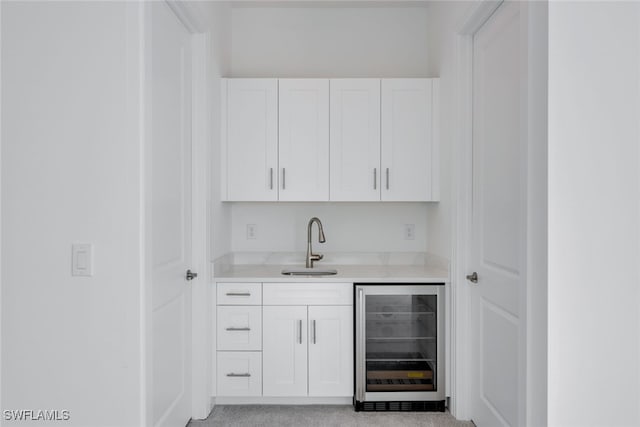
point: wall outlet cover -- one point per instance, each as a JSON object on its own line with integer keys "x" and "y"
{"x": 409, "y": 231}
{"x": 252, "y": 231}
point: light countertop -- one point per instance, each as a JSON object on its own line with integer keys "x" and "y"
{"x": 386, "y": 271}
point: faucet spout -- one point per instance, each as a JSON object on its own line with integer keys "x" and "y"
{"x": 311, "y": 257}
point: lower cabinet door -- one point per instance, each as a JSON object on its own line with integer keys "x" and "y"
{"x": 331, "y": 355}
{"x": 284, "y": 349}
{"x": 239, "y": 373}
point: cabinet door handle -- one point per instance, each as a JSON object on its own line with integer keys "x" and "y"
{"x": 239, "y": 375}
{"x": 375, "y": 178}
{"x": 270, "y": 178}
{"x": 299, "y": 331}
{"x": 238, "y": 294}
{"x": 313, "y": 330}
{"x": 284, "y": 180}
{"x": 238, "y": 329}
{"x": 387, "y": 178}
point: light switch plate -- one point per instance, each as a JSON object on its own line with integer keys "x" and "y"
{"x": 82, "y": 259}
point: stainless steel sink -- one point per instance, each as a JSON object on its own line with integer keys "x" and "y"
{"x": 309, "y": 272}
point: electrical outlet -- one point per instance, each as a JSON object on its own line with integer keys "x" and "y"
{"x": 252, "y": 230}
{"x": 409, "y": 231}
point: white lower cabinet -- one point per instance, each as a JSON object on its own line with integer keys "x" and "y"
{"x": 239, "y": 373}
{"x": 331, "y": 351}
{"x": 239, "y": 339}
{"x": 298, "y": 342}
{"x": 308, "y": 349}
{"x": 284, "y": 346}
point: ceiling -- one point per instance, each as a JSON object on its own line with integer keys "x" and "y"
{"x": 328, "y": 3}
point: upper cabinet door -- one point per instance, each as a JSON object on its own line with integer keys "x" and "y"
{"x": 251, "y": 140}
{"x": 354, "y": 137}
{"x": 304, "y": 140}
{"x": 409, "y": 169}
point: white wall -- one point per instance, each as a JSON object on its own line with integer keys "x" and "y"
{"x": 349, "y": 227}
{"x": 444, "y": 21}
{"x": 594, "y": 214}
{"x": 70, "y": 173}
{"x": 329, "y": 42}
{"x": 537, "y": 218}
{"x": 444, "y": 17}
{"x": 220, "y": 24}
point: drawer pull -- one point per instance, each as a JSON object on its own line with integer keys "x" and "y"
{"x": 238, "y": 294}
{"x": 239, "y": 375}
{"x": 238, "y": 329}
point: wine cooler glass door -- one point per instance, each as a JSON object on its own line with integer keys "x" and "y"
{"x": 401, "y": 346}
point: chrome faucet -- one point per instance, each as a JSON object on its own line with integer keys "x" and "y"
{"x": 310, "y": 255}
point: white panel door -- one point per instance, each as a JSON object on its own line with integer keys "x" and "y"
{"x": 331, "y": 351}
{"x": 284, "y": 350}
{"x": 170, "y": 218}
{"x": 252, "y": 140}
{"x": 407, "y": 139}
{"x": 354, "y": 139}
{"x": 498, "y": 223}
{"x": 303, "y": 140}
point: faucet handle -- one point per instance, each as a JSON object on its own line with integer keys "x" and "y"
{"x": 316, "y": 257}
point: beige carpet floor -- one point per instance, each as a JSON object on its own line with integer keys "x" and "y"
{"x": 321, "y": 416}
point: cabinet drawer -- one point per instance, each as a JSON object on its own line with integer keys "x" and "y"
{"x": 308, "y": 294}
{"x": 239, "y": 328}
{"x": 239, "y": 293}
{"x": 239, "y": 373}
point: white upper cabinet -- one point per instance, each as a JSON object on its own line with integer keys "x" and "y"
{"x": 409, "y": 141}
{"x": 251, "y": 143}
{"x": 339, "y": 140}
{"x": 304, "y": 139}
{"x": 354, "y": 137}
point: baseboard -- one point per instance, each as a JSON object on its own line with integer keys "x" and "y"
{"x": 262, "y": 400}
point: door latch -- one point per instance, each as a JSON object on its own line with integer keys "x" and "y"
{"x": 473, "y": 277}
{"x": 191, "y": 275}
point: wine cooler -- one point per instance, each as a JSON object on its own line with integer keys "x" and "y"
{"x": 399, "y": 334}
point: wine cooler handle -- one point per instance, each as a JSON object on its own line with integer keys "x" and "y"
{"x": 360, "y": 386}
